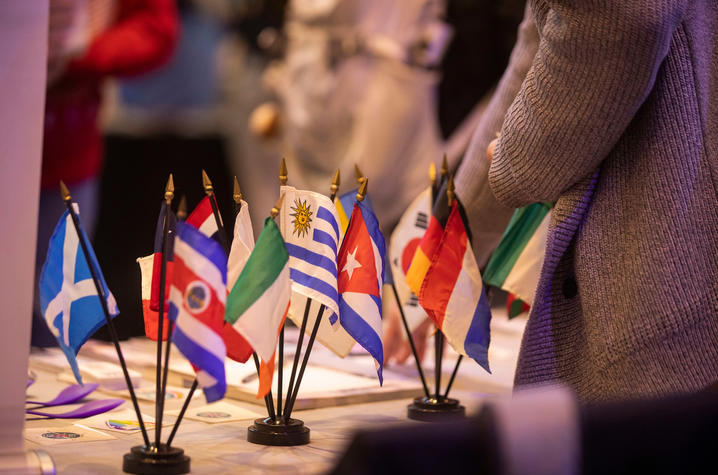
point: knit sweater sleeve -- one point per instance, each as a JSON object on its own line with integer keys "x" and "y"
{"x": 595, "y": 65}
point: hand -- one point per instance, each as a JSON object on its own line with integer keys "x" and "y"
{"x": 396, "y": 346}
{"x": 490, "y": 149}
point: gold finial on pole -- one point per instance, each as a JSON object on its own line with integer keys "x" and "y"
{"x": 65, "y": 192}
{"x": 362, "y": 189}
{"x": 432, "y": 174}
{"x": 444, "y": 167}
{"x": 182, "y": 208}
{"x": 450, "y": 194}
{"x": 237, "y": 193}
{"x": 336, "y": 181}
{"x": 283, "y": 175}
{"x": 169, "y": 190}
{"x": 277, "y": 207}
{"x": 207, "y": 183}
{"x": 359, "y": 174}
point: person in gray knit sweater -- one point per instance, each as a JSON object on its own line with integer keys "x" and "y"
{"x": 610, "y": 110}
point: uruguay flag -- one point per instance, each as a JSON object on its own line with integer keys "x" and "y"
{"x": 197, "y": 299}
{"x": 360, "y": 282}
{"x": 68, "y": 296}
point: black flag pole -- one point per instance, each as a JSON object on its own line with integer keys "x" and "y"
{"x": 411, "y": 340}
{"x": 67, "y": 198}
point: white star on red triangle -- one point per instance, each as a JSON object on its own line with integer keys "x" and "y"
{"x": 352, "y": 263}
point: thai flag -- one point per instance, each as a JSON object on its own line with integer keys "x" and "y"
{"x": 157, "y": 259}
{"x": 202, "y": 218}
{"x": 360, "y": 282}
{"x": 197, "y": 300}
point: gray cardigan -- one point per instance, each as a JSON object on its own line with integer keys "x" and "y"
{"x": 614, "y": 116}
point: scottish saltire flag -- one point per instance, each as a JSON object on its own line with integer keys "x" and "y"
{"x": 197, "y": 299}
{"x": 515, "y": 265}
{"x": 452, "y": 292}
{"x": 202, "y": 218}
{"x": 257, "y": 304}
{"x": 157, "y": 261}
{"x": 68, "y": 296}
{"x": 403, "y": 244}
{"x": 360, "y": 281}
{"x": 310, "y": 226}
{"x": 238, "y": 348}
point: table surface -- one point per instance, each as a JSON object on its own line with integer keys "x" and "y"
{"x": 223, "y": 448}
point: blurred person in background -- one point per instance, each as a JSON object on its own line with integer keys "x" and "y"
{"x": 89, "y": 41}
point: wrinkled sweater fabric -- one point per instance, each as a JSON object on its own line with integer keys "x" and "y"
{"x": 616, "y": 120}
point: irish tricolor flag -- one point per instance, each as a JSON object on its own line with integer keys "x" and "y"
{"x": 258, "y": 302}
{"x": 516, "y": 264}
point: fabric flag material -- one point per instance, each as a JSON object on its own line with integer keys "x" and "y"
{"x": 258, "y": 302}
{"x": 361, "y": 278}
{"x": 68, "y": 297}
{"x": 157, "y": 263}
{"x": 403, "y": 244}
{"x": 238, "y": 348}
{"x": 429, "y": 242}
{"x": 311, "y": 230}
{"x": 452, "y": 292}
{"x": 150, "y": 316}
{"x": 197, "y": 300}
{"x": 345, "y": 204}
{"x": 516, "y": 264}
{"x": 202, "y": 218}
{"x": 515, "y": 306}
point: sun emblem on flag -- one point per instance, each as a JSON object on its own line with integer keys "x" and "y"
{"x": 302, "y": 217}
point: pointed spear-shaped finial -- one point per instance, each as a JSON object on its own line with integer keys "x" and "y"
{"x": 207, "y": 183}
{"x": 444, "y": 167}
{"x": 450, "y": 194}
{"x": 283, "y": 175}
{"x": 359, "y": 174}
{"x": 362, "y": 189}
{"x": 237, "y": 193}
{"x": 65, "y": 192}
{"x": 277, "y": 207}
{"x": 432, "y": 173}
{"x": 170, "y": 190}
{"x": 336, "y": 181}
{"x": 182, "y": 208}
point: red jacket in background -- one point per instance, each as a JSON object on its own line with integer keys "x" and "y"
{"x": 141, "y": 38}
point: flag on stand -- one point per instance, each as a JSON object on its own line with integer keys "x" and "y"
{"x": 516, "y": 263}
{"x": 360, "y": 282}
{"x": 344, "y": 203}
{"x": 258, "y": 302}
{"x": 452, "y": 291}
{"x": 197, "y": 299}
{"x": 68, "y": 297}
{"x": 202, "y": 218}
{"x": 238, "y": 348}
{"x": 515, "y": 306}
{"x": 150, "y": 316}
{"x": 403, "y": 244}
{"x": 157, "y": 261}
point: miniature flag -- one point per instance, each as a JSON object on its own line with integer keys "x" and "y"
{"x": 361, "y": 278}
{"x": 157, "y": 263}
{"x": 150, "y": 316}
{"x": 344, "y": 203}
{"x": 515, "y": 306}
{"x": 238, "y": 348}
{"x": 68, "y": 297}
{"x": 452, "y": 292}
{"x": 310, "y": 227}
{"x": 202, "y": 218}
{"x": 516, "y": 264}
{"x": 257, "y": 304}
{"x": 197, "y": 299}
{"x": 402, "y": 246}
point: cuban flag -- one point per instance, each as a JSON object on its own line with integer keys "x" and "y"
{"x": 68, "y": 296}
{"x": 202, "y": 218}
{"x": 197, "y": 300}
{"x": 360, "y": 282}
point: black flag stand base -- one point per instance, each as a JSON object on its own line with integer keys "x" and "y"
{"x": 145, "y": 460}
{"x": 435, "y": 410}
{"x": 278, "y": 433}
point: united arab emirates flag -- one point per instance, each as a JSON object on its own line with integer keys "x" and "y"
{"x": 258, "y": 302}
{"x": 516, "y": 264}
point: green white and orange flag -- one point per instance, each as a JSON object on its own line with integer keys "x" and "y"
{"x": 257, "y": 304}
{"x": 516, "y": 264}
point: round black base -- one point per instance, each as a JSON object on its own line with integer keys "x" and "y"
{"x": 268, "y": 432}
{"x": 145, "y": 460}
{"x": 433, "y": 410}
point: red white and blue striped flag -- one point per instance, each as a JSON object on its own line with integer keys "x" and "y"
{"x": 202, "y": 218}
{"x": 197, "y": 300}
{"x": 360, "y": 281}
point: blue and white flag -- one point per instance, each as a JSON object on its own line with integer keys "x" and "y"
{"x": 68, "y": 296}
{"x": 312, "y": 234}
{"x": 197, "y": 299}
